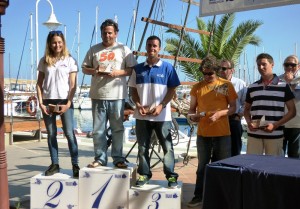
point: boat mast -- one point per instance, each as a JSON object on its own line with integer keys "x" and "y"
{"x": 78, "y": 37}
{"x": 133, "y": 35}
{"x": 96, "y": 25}
{"x": 116, "y": 20}
{"x": 65, "y": 32}
{"x": 31, "y": 54}
{"x": 239, "y": 72}
{"x": 245, "y": 66}
{"x": 78, "y": 48}
{"x": 254, "y": 66}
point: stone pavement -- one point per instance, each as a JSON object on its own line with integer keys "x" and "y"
{"x": 28, "y": 157}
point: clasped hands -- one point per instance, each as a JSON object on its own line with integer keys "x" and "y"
{"x": 150, "y": 110}
{"x": 57, "y": 109}
{"x": 254, "y": 126}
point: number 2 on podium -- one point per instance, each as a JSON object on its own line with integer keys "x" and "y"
{"x": 53, "y": 191}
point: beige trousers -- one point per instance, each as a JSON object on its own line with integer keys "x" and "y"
{"x": 260, "y": 146}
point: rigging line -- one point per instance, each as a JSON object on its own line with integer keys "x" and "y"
{"x": 134, "y": 25}
{"x": 145, "y": 29}
{"x": 161, "y": 9}
{"x": 181, "y": 18}
{"x": 90, "y": 47}
{"x": 129, "y": 30}
{"x": 162, "y": 18}
{"x": 155, "y": 18}
{"x": 76, "y": 33}
{"x": 21, "y": 56}
{"x": 211, "y": 35}
{"x": 181, "y": 34}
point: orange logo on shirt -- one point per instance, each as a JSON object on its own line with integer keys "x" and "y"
{"x": 106, "y": 56}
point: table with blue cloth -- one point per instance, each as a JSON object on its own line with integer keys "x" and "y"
{"x": 252, "y": 182}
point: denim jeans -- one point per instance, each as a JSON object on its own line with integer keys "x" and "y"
{"x": 236, "y": 130}
{"x": 67, "y": 119}
{"x": 144, "y": 131}
{"x": 291, "y": 142}
{"x": 104, "y": 111}
{"x": 209, "y": 149}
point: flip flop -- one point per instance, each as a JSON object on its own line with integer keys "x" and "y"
{"x": 94, "y": 164}
{"x": 121, "y": 165}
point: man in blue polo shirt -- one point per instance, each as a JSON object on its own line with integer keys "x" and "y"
{"x": 153, "y": 85}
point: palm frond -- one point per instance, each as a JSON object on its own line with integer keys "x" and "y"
{"x": 227, "y": 42}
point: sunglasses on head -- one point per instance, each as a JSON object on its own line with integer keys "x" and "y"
{"x": 209, "y": 73}
{"x": 55, "y": 32}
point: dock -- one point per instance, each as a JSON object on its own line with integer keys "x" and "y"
{"x": 15, "y": 123}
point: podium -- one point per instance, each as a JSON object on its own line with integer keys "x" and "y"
{"x": 155, "y": 195}
{"x": 56, "y": 191}
{"x": 104, "y": 187}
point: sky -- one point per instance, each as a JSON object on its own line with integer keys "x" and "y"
{"x": 280, "y": 32}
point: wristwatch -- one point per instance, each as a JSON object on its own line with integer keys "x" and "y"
{"x": 163, "y": 104}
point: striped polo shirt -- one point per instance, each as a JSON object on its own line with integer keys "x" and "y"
{"x": 268, "y": 101}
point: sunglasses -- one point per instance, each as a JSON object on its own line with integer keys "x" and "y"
{"x": 55, "y": 32}
{"x": 290, "y": 64}
{"x": 209, "y": 73}
{"x": 225, "y": 68}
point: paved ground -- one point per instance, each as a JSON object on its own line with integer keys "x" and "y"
{"x": 28, "y": 157}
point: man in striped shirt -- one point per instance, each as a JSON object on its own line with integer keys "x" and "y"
{"x": 264, "y": 109}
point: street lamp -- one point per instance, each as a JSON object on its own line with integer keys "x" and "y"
{"x": 52, "y": 24}
{"x": 4, "y": 194}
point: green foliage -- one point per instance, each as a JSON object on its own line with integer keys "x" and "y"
{"x": 226, "y": 42}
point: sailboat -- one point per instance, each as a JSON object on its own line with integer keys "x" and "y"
{"x": 17, "y": 102}
{"x": 81, "y": 99}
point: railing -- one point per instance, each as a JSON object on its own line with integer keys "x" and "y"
{"x": 20, "y": 121}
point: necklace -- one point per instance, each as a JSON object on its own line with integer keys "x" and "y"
{"x": 267, "y": 82}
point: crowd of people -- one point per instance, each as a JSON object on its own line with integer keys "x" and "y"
{"x": 217, "y": 103}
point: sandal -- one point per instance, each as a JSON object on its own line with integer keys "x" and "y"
{"x": 121, "y": 165}
{"x": 94, "y": 164}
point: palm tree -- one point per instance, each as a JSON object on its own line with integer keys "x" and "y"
{"x": 226, "y": 42}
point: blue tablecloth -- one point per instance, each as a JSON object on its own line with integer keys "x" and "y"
{"x": 252, "y": 182}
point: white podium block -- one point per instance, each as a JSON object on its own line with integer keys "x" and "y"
{"x": 155, "y": 195}
{"x": 104, "y": 187}
{"x": 132, "y": 167}
{"x": 59, "y": 191}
